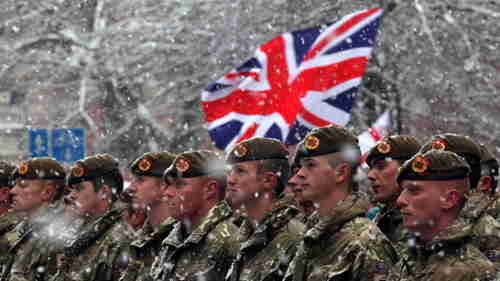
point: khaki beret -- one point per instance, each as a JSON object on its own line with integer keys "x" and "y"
{"x": 6, "y": 170}
{"x": 398, "y": 147}
{"x": 257, "y": 149}
{"x": 152, "y": 164}
{"x": 92, "y": 167}
{"x": 195, "y": 164}
{"x": 461, "y": 145}
{"x": 326, "y": 140}
{"x": 434, "y": 165}
{"x": 40, "y": 168}
{"x": 489, "y": 163}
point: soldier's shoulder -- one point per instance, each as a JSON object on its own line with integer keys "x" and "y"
{"x": 366, "y": 235}
{"x": 469, "y": 264}
{"x": 117, "y": 233}
{"x": 226, "y": 229}
{"x": 363, "y": 228}
{"x": 295, "y": 228}
{"x": 8, "y": 221}
{"x": 494, "y": 208}
{"x": 486, "y": 225}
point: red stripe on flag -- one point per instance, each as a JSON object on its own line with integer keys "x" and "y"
{"x": 234, "y": 75}
{"x": 313, "y": 119}
{"x": 248, "y": 133}
{"x": 322, "y": 79}
{"x": 341, "y": 29}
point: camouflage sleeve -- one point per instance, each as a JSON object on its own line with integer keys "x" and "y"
{"x": 135, "y": 271}
{"x": 487, "y": 238}
{"x": 374, "y": 259}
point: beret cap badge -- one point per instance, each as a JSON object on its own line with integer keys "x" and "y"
{"x": 419, "y": 164}
{"x": 311, "y": 142}
{"x": 182, "y": 165}
{"x": 23, "y": 169}
{"x": 439, "y": 144}
{"x": 240, "y": 151}
{"x": 384, "y": 147}
{"x": 77, "y": 171}
{"x": 144, "y": 165}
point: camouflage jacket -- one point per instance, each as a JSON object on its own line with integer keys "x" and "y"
{"x": 267, "y": 251}
{"x": 494, "y": 208}
{"x": 342, "y": 246}
{"x": 33, "y": 244}
{"x": 99, "y": 251}
{"x": 8, "y": 221}
{"x": 206, "y": 253}
{"x": 146, "y": 249}
{"x": 449, "y": 256}
{"x": 390, "y": 222}
{"x": 485, "y": 229}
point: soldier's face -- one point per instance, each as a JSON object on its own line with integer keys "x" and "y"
{"x": 306, "y": 206}
{"x": 28, "y": 195}
{"x": 420, "y": 204}
{"x": 145, "y": 191}
{"x": 83, "y": 199}
{"x": 383, "y": 174}
{"x": 186, "y": 197}
{"x": 243, "y": 183}
{"x": 315, "y": 178}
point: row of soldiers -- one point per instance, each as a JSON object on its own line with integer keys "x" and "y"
{"x": 258, "y": 214}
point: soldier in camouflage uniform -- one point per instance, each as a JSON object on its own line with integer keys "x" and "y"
{"x": 258, "y": 172}
{"x": 434, "y": 186}
{"x": 384, "y": 160}
{"x": 206, "y": 244}
{"x": 39, "y": 184}
{"x": 489, "y": 181}
{"x": 98, "y": 252}
{"x": 147, "y": 191}
{"x": 486, "y": 231}
{"x": 340, "y": 243}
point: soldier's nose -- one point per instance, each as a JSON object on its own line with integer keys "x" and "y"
{"x": 401, "y": 201}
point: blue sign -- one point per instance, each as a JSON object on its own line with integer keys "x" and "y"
{"x": 68, "y": 145}
{"x": 39, "y": 142}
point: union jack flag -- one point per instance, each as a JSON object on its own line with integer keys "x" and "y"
{"x": 295, "y": 82}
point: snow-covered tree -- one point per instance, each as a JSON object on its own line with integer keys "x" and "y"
{"x": 131, "y": 71}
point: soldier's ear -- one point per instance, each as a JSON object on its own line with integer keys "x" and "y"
{"x": 48, "y": 191}
{"x": 211, "y": 189}
{"x": 450, "y": 199}
{"x": 104, "y": 192}
{"x": 485, "y": 184}
{"x": 342, "y": 172}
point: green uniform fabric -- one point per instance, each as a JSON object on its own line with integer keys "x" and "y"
{"x": 342, "y": 246}
{"x": 485, "y": 229}
{"x": 449, "y": 256}
{"x": 32, "y": 246}
{"x": 494, "y": 208}
{"x": 205, "y": 254}
{"x": 8, "y": 221}
{"x": 270, "y": 247}
{"x": 146, "y": 250}
{"x": 390, "y": 222}
{"x": 99, "y": 251}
